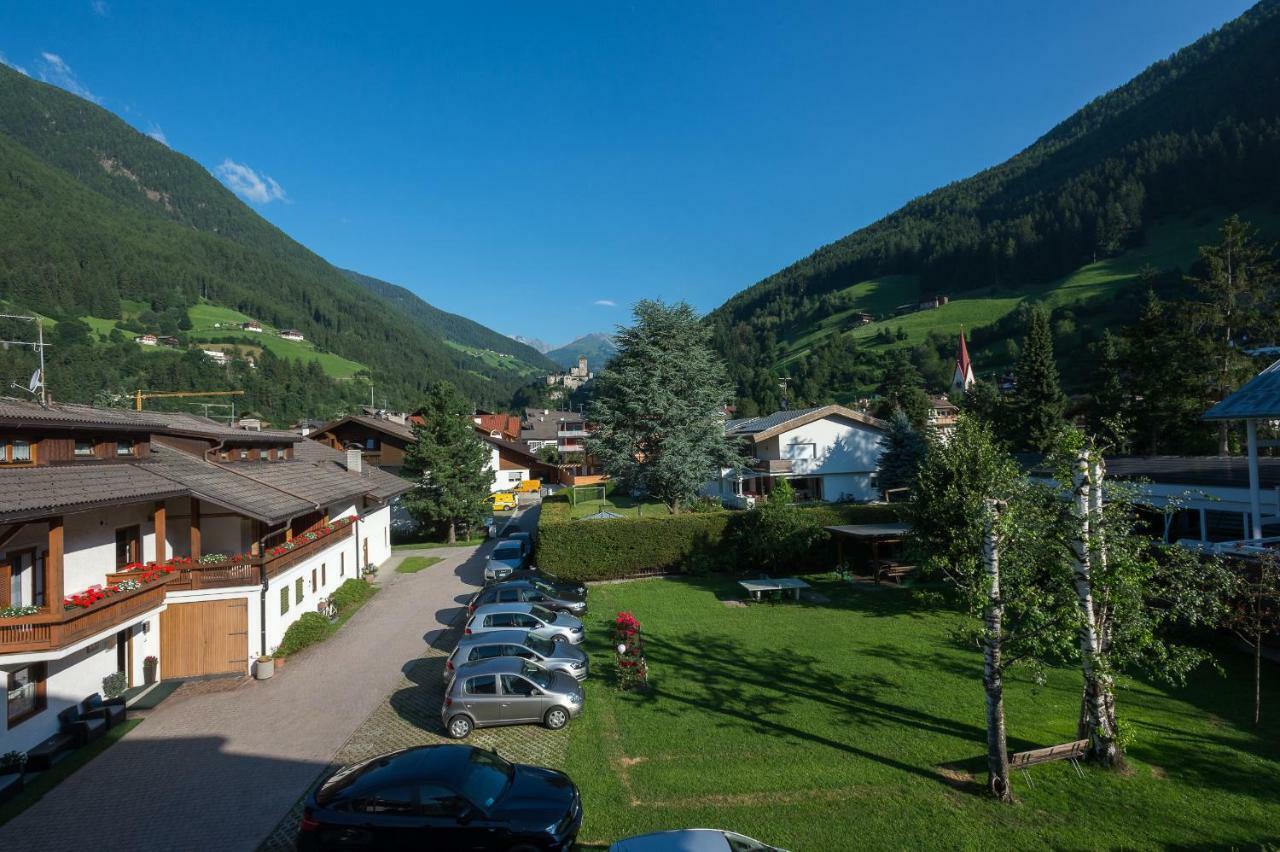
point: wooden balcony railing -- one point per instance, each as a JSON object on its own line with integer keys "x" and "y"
{"x": 772, "y": 465}
{"x": 249, "y": 571}
{"x": 50, "y": 631}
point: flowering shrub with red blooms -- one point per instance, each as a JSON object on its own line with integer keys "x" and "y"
{"x": 633, "y": 669}
{"x": 157, "y": 568}
{"x": 147, "y": 573}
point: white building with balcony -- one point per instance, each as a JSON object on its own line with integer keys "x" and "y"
{"x": 136, "y": 545}
{"x": 830, "y": 453}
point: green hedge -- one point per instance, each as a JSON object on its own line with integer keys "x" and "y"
{"x": 692, "y": 542}
{"x": 350, "y": 593}
{"x": 310, "y": 628}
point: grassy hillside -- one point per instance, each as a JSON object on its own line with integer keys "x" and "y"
{"x": 1171, "y": 244}
{"x": 98, "y": 216}
{"x": 1142, "y": 175}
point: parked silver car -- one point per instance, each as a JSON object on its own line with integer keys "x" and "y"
{"x": 507, "y": 555}
{"x": 692, "y": 840}
{"x": 538, "y": 620}
{"x": 508, "y": 691}
{"x": 492, "y": 644}
{"x": 529, "y": 591}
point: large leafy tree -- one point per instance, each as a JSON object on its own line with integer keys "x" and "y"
{"x": 658, "y": 408}
{"x": 903, "y": 389}
{"x": 1038, "y": 401}
{"x": 448, "y": 461}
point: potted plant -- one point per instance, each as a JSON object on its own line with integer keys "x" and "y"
{"x": 114, "y": 684}
{"x": 11, "y": 766}
{"x": 266, "y": 667}
{"x": 149, "y": 667}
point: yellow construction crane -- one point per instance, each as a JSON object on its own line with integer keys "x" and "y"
{"x": 140, "y": 395}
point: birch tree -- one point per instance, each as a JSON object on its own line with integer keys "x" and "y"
{"x": 1135, "y": 596}
{"x": 978, "y": 521}
{"x": 1255, "y": 614}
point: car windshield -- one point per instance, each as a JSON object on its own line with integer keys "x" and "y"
{"x": 545, "y": 647}
{"x": 546, "y": 588}
{"x": 545, "y": 614}
{"x": 537, "y": 674}
{"x": 484, "y": 779}
{"x": 502, "y": 549}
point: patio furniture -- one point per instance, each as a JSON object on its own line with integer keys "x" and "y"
{"x": 759, "y": 586}
{"x": 81, "y": 727}
{"x": 1073, "y": 752}
{"x": 110, "y": 710}
{"x": 887, "y": 569}
{"x": 41, "y": 757}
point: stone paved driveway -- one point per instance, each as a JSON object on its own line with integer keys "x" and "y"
{"x": 219, "y": 766}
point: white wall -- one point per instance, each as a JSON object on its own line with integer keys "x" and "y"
{"x": 75, "y": 675}
{"x": 326, "y": 582}
{"x": 841, "y": 446}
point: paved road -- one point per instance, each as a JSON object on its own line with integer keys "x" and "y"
{"x": 220, "y": 763}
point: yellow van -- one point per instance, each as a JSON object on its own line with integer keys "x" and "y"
{"x": 529, "y": 486}
{"x": 502, "y": 500}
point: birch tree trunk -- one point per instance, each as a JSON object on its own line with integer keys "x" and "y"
{"x": 1103, "y": 608}
{"x": 1102, "y": 745}
{"x": 992, "y": 664}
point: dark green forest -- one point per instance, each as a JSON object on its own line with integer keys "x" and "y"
{"x": 1197, "y": 132}
{"x": 93, "y": 212}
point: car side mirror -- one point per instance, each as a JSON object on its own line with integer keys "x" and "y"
{"x": 466, "y": 814}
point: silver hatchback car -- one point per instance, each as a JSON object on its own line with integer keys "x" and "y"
{"x": 492, "y": 644}
{"x": 508, "y": 691}
{"x": 538, "y": 620}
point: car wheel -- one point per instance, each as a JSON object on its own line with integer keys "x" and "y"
{"x": 556, "y": 718}
{"x": 560, "y": 637}
{"x": 460, "y": 727}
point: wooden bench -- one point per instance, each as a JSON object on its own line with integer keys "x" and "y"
{"x": 1073, "y": 752}
{"x": 885, "y": 569}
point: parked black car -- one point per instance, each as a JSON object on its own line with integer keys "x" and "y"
{"x": 441, "y": 797}
{"x": 530, "y": 591}
{"x": 564, "y": 587}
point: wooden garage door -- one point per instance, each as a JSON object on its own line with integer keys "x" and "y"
{"x": 206, "y": 638}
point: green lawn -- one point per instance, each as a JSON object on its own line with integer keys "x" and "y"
{"x": 417, "y": 543}
{"x": 859, "y": 724}
{"x": 618, "y": 503}
{"x": 492, "y": 359}
{"x": 414, "y": 564}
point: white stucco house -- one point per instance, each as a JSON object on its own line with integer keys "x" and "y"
{"x": 829, "y": 453}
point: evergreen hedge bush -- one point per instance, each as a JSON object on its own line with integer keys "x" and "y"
{"x": 309, "y": 629}
{"x": 686, "y": 543}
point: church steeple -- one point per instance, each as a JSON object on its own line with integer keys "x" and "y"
{"x": 963, "y": 378}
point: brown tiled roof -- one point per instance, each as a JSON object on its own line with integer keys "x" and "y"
{"x": 227, "y": 486}
{"x": 32, "y": 492}
{"x": 21, "y": 412}
{"x": 389, "y": 427}
{"x": 321, "y": 472}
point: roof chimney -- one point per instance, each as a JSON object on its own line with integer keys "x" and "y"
{"x": 354, "y": 459}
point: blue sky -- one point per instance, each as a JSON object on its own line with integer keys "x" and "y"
{"x": 538, "y": 167}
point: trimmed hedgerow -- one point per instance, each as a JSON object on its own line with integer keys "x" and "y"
{"x": 310, "y": 628}
{"x": 690, "y": 543}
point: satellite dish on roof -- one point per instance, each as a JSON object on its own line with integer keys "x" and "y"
{"x": 34, "y": 384}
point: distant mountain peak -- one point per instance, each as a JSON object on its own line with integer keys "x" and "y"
{"x": 598, "y": 347}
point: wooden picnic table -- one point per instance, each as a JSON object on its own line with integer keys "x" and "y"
{"x": 757, "y": 587}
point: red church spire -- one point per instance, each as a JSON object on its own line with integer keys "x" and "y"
{"x": 963, "y": 378}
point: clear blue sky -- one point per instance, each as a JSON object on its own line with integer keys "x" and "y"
{"x": 519, "y": 162}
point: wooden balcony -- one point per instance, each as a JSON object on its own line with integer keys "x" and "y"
{"x": 250, "y": 570}
{"x": 771, "y": 465}
{"x": 50, "y": 631}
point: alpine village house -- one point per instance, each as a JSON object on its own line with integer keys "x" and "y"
{"x": 163, "y": 545}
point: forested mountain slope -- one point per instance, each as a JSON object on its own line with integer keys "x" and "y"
{"x": 451, "y": 327}
{"x": 95, "y": 215}
{"x": 598, "y": 347}
{"x": 1197, "y": 132}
